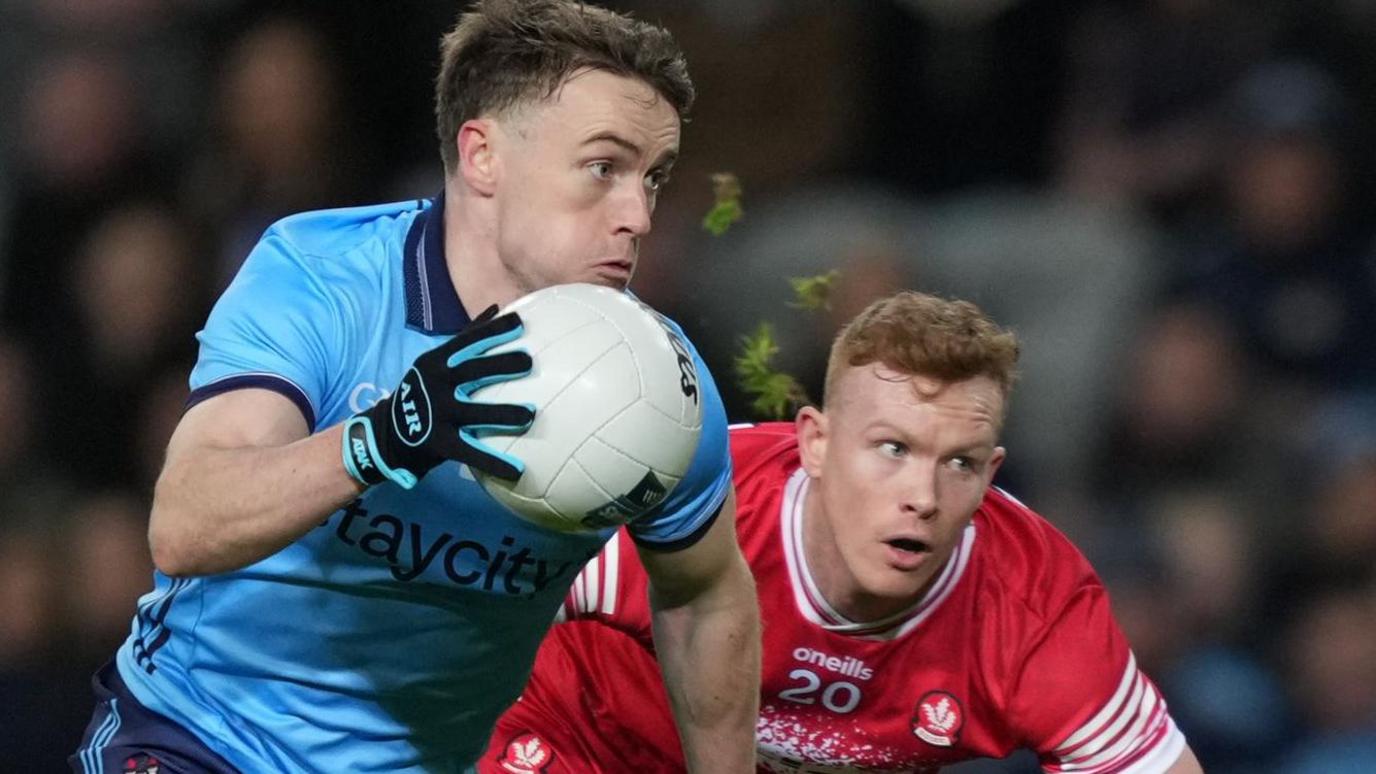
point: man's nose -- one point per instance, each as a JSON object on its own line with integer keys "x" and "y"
{"x": 633, "y": 210}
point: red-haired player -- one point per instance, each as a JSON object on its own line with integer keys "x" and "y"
{"x": 914, "y": 615}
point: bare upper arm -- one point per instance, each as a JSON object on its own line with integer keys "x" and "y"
{"x": 249, "y": 417}
{"x": 676, "y": 577}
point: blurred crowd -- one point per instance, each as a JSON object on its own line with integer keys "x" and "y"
{"x": 1168, "y": 199}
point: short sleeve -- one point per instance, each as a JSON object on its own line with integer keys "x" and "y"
{"x": 1082, "y": 703}
{"x": 691, "y": 507}
{"x": 275, "y": 327}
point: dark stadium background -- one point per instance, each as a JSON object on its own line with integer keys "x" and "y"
{"x": 1170, "y": 200}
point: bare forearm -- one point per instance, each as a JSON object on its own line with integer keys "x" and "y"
{"x": 222, "y": 509}
{"x": 709, "y": 651}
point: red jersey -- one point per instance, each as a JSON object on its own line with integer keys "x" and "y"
{"x": 1012, "y": 646}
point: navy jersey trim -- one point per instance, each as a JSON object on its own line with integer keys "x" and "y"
{"x": 683, "y": 542}
{"x": 277, "y": 384}
{"x": 153, "y": 633}
{"x": 432, "y": 305}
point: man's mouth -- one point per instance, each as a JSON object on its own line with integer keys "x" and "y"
{"x": 616, "y": 267}
{"x": 909, "y": 545}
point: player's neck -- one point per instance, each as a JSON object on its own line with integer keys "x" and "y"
{"x": 835, "y": 581}
{"x": 470, "y": 252}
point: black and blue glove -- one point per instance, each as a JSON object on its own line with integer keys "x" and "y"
{"x": 430, "y": 417}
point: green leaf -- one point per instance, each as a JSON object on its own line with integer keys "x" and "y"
{"x": 776, "y": 394}
{"x": 726, "y": 207}
{"x": 813, "y": 293}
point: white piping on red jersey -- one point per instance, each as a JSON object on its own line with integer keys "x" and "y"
{"x": 815, "y": 607}
{"x": 1131, "y": 733}
{"x": 587, "y": 594}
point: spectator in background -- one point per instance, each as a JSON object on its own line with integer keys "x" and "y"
{"x": 32, "y": 728}
{"x": 279, "y": 141}
{"x": 81, "y": 147}
{"x": 1139, "y": 124}
{"x": 1220, "y": 682}
{"x": 1288, "y": 265}
{"x": 1333, "y": 543}
{"x": 16, "y": 413}
{"x": 1332, "y": 658}
{"x": 136, "y": 294}
{"x": 28, "y": 476}
{"x": 1181, "y": 417}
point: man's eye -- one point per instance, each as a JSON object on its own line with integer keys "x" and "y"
{"x": 656, "y": 180}
{"x": 893, "y": 448}
{"x": 963, "y": 464}
{"x": 602, "y": 170}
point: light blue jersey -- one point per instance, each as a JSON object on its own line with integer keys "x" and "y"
{"x": 390, "y": 637}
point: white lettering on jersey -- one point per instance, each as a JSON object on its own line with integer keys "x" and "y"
{"x": 848, "y": 665}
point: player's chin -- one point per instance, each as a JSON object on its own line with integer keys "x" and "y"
{"x": 609, "y": 283}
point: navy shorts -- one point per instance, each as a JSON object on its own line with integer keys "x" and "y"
{"x": 125, "y": 737}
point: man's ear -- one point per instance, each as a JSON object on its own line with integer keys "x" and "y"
{"x": 477, "y": 159}
{"x": 811, "y": 426}
{"x": 995, "y": 460}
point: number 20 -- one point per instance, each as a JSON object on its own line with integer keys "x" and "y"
{"x": 831, "y": 695}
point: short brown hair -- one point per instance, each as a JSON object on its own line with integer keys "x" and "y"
{"x": 503, "y": 52}
{"x": 920, "y": 334}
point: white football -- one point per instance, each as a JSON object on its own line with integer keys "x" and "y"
{"x": 617, "y": 409}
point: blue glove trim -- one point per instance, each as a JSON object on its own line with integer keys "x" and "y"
{"x": 463, "y": 391}
{"x": 484, "y": 344}
{"x": 472, "y": 440}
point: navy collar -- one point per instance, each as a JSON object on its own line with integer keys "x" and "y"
{"x": 432, "y": 305}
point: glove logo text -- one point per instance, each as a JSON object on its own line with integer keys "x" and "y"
{"x": 361, "y": 457}
{"x": 411, "y": 410}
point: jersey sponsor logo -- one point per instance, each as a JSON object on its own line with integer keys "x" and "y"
{"x": 526, "y": 754}
{"x": 938, "y": 718}
{"x": 847, "y": 665}
{"x": 411, "y": 409}
{"x": 410, "y": 551}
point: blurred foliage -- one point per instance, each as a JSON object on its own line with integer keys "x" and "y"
{"x": 813, "y": 293}
{"x": 726, "y": 207}
{"x": 776, "y": 394}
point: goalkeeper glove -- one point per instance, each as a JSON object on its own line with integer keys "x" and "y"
{"x": 430, "y": 418}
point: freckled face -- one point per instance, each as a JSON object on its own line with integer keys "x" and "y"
{"x": 899, "y": 465}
